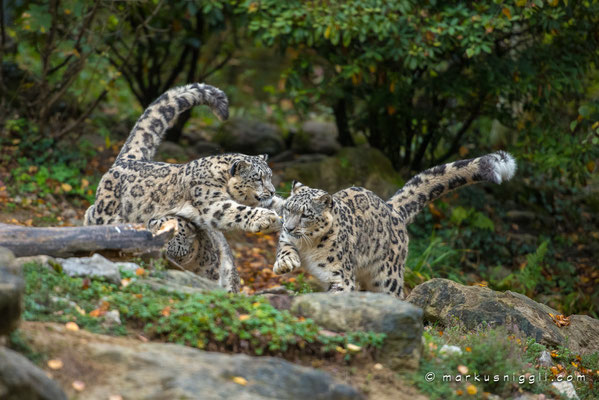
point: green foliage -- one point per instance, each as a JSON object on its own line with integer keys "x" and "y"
{"x": 300, "y": 285}
{"x": 428, "y": 259}
{"x": 495, "y": 352}
{"x": 215, "y": 320}
{"x": 529, "y": 276}
{"x": 415, "y": 76}
{"x": 484, "y": 352}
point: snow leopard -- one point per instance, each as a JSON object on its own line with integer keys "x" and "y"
{"x": 353, "y": 238}
{"x": 207, "y": 195}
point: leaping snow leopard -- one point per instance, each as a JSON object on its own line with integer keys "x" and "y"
{"x": 353, "y": 236}
{"x": 206, "y": 196}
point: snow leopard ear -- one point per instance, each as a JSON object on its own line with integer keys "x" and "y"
{"x": 263, "y": 157}
{"x": 239, "y": 167}
{"x": 326, "y": 200}
{"x": 295, "y": 186}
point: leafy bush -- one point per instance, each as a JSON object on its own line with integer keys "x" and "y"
{"x": 417, "y": 78}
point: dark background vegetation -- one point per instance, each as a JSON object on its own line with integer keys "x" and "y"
{"x": 423, "y": 82}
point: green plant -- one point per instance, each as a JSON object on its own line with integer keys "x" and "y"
{"x": 214, "y": 321}
{"x": 483, "y": 353}
{"x": 299, "y": 285}
{"x": 530, "y": 274}
{"x": 427, "y": 258}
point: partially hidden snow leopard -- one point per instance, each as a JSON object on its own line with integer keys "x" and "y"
{"x": 206, "y": 196}
{"x": 354, "y": 237}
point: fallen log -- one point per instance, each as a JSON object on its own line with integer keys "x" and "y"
{"x": 69, "y": 241}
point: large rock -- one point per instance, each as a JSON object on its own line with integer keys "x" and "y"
{"x": 366, "y": 311}
{"x": 316, "y": 137}
{"x": 136, "y": 370}
{"x": 249, "y": 137}
{"x": 450, "y": 303}
{"x": 22, "y": 380}
{"x": 181, "y": 281}
{"x": 11, "y": 292}
{"x": 352, "y": 166}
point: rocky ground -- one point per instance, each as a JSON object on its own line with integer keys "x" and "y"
{"x": 139, "y": 363}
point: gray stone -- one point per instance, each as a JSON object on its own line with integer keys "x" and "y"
{"x": 450, "y": 303}
{"x": 11, "y": 292}
{"x": 545, "y": 359}
{"x": 95, "y": 266}
{"x": 41, "y": 260}
{"x": 111, "y": 318}
{"x": 6, "y": 257}
{"x": 181, "y": 281}
{"x": 449, "y": 349}
{"x": 316, "y": 137}
{"x": 566, "y": 389}
{"x": 365, "y": 311}
{"x": 351, "y": 166}
{"x": 249, "y": 137}
{"x": 22, "y": 380}
{"x": 168, "y": 371}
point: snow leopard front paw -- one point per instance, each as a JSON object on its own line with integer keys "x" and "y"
{"x": 286, "y": 263}
{"x": 266, "y": 221}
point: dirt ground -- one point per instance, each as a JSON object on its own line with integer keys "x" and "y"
{"x": 56, "y": 342}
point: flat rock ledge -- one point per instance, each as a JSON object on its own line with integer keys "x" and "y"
{"x": 365, "y": 311}
{"x": 451, "y": 303}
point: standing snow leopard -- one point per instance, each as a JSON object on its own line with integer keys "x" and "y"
{"x": 207, "y": 195}
{"x": 353, "y": 236}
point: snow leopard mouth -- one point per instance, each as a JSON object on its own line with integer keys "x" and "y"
{"x": 266, "y": 202}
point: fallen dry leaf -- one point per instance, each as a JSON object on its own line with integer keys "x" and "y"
{"x": 353, "y": 348}
{"x": 560, "y": 320}
{"x": 244, "y": 317}
{"x": 97, "y": 313}
{"x": 471, "y": 389}
{"x": 166, "y": 311}
{"x": 78, "y": 385}
{"x": 71, "y": 326}
{"x": 240, "y": 380}
{"x": 55, "y": 363}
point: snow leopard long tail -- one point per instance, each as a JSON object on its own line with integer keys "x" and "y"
{"x": 146, "y": 135}
{"x": 437, "y": 181}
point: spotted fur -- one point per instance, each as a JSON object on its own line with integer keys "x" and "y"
{"x": 214, "y": 193}
{"x": 353, "y": 237}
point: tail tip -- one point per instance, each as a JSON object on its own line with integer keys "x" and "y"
{"x": 504, "y": 166}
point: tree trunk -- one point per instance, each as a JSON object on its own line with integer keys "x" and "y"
{"x": 340, "y": 111}
{"x": 68, "y": 241}
{"x": 174, "y": 134}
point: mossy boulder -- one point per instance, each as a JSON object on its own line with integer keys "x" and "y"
{"x": 351, "y": 166}
{"x": 249, "y": 137}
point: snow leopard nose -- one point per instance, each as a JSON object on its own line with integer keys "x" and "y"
{"x": 289, "y": 227}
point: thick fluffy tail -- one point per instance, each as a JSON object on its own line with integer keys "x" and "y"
{"x": 146, "y": 135}
{"x": 435, "y": 182}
